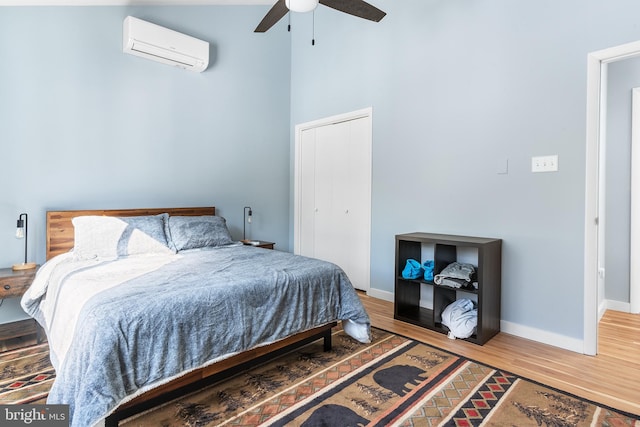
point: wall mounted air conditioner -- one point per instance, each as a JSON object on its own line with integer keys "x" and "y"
{"x": 161, "y": 44}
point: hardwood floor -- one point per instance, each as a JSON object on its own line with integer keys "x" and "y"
{"x": 611, "y": 378}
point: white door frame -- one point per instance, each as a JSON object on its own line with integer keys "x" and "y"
{"x": 597, "y": 63}
{"x": 297, "y": 217}
{"x": 634, "y": 252}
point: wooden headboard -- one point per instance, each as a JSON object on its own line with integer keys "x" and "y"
{"x": 60, "y": 228}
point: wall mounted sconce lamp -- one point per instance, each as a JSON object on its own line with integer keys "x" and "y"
{"x": 246, "y": 219}
{"x": 22, "y": 232}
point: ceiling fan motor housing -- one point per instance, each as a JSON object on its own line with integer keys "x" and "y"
{"x": 301, "y": 5}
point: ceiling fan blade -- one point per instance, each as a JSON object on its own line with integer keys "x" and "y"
{"x": 274, "y": 15}
{"x": 358, "y": 8}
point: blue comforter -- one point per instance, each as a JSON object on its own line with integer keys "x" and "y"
{"x": 110, "y": 342}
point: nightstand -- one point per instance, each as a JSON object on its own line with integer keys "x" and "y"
{"x": 259, "y": 243}
{"x": 14, "y": 284}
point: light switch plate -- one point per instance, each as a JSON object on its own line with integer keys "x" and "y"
{"x": 544, "y": 163}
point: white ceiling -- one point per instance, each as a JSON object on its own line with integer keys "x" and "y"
{"x": 131, "y": 2}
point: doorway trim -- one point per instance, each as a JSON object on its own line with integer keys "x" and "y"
{"x": 597, "y": 63}
{"x": 634, "y": 247}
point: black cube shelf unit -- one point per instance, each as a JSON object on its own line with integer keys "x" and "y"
{"x": 445, "y": 249}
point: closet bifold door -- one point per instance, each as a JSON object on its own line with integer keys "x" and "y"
{"x": 335, "y": 196}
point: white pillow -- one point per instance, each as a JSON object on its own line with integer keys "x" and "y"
{"x": 112, "y": 237}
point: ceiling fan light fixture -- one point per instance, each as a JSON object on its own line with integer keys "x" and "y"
{"x": 357, "y": 8}
{"x": 301, "y": 5}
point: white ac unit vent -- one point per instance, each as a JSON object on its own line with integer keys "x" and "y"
{"x": 151, "y": 41}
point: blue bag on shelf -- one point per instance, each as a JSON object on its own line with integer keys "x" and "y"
{"x": 412, "y": 270}
{"x": 428, "y": 270}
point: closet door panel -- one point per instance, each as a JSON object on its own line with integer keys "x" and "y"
{"x": 330, "y": 186}
{"x": 307, "y": 160}
{"x": 357, "y": 201}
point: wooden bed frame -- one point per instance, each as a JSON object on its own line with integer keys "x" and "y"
{"x": 60, "y": 239}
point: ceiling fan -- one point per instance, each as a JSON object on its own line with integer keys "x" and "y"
{"x": 358, "y": 8}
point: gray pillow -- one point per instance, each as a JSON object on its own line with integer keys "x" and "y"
{"x": 113, "y": 237}
{"x": 193, "y": 232}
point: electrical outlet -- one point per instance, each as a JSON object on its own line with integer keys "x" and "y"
{"x": 544, "y": 163}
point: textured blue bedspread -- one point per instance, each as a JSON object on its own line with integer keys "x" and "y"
{"x": 188, "y": 312}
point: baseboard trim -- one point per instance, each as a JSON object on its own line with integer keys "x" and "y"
{"x": 527, "y": 332}
{"x": 383, "y": 295}
{"x": 624, "y": 307}
{"x": 544, "y": 337}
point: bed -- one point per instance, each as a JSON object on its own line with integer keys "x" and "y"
{"x": 140, "y": 304}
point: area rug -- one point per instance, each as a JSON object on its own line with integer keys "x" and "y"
{"x": 26, "y": 375}
{"x": 392, "y": 381}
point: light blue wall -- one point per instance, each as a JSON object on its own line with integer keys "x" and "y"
{"x": 457, "y": 89}
{"x": 85, "y": 126}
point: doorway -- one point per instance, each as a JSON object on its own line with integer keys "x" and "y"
{"x": 597, "y": 64}
{"x": 332, "y": 194}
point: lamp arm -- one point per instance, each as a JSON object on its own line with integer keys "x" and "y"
{"x": 26, "y": 234}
